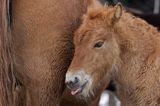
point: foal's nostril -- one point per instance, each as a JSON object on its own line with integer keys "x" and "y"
{"x": 73, "y": 82}
{"x": 76, "y": 79}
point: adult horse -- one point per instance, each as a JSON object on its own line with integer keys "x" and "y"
{"x": 41, "y": 32}
{"x": 113, "y": 44}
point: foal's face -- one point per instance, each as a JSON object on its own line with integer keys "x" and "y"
{"x": 96, "y": 52}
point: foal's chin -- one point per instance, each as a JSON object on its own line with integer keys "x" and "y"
{"x": 86, "y": 94}
{"x": 94, "y": 87}
{"x": 91, "y": 90}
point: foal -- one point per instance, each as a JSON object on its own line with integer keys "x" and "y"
{"x": 113, "y": 44}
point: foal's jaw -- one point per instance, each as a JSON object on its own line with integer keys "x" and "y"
{"x": 79, "y": 83}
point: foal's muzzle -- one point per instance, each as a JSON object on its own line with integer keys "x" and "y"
{"x": 73, "y": 82}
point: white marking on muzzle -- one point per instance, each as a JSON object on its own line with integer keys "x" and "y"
{"x": 83, "y": 77}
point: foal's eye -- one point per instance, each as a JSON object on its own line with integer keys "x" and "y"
{"x": 98, "y": 44}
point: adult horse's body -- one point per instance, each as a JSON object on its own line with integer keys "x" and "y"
{"x": 42, "y": 39}
{"x": 112, "y": 44}
{"x": 42, "y": 50}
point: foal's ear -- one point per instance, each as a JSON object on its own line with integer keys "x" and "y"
{"x": 114, "y": 14}
{"x": 117, "y": 12}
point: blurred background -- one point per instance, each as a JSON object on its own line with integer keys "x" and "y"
{"x": 148, "y": 10}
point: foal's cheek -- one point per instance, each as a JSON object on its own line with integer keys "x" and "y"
{"x": 97, "y": 77}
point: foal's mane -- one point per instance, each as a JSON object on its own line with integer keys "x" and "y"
{"x": 104, "y": 13}
{"x": 6, "y": 70}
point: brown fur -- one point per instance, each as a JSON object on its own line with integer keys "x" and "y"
{"x": 6, "y": 70}
{"x": 40, "y": 30}
{"x": 130, "y": 55}
{"x": 42, "y": 41}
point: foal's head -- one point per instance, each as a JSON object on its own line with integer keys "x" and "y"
{"x": 96, "y": 50}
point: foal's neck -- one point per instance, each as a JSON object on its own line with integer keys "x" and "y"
{"x": 136, "y": 38}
